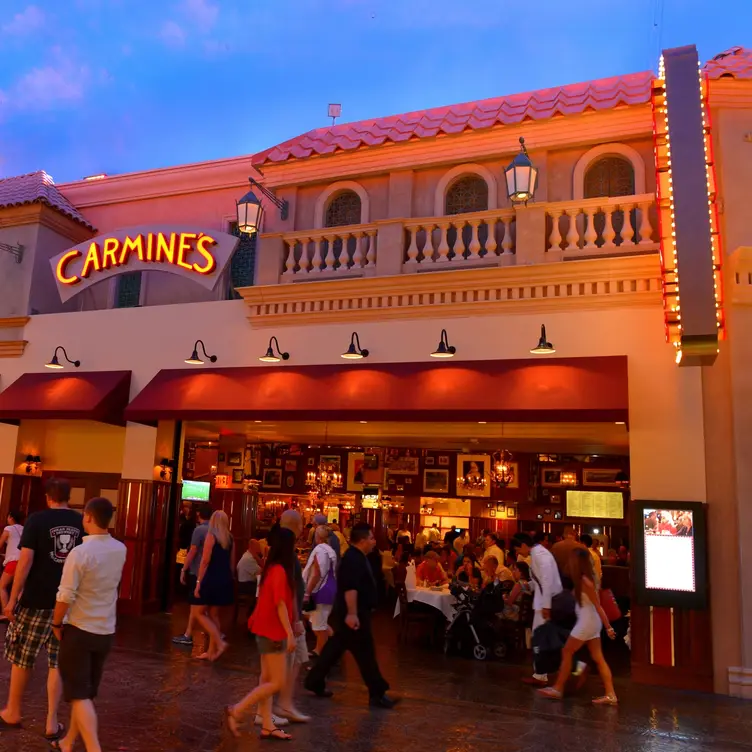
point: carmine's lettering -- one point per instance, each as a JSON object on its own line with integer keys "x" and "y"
{"x": 173, "y": 249}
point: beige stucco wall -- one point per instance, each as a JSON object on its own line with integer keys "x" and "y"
{"x": 15, "y": 279}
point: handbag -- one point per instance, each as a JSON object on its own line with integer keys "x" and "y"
{"x": 326, "y": 594}
{"x": 609, "y": 605}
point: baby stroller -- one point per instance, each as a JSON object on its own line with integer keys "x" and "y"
{"x": 475, "y": 627}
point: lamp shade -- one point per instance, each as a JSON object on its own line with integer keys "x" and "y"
{"x": 270, "y": 357}
{"x": 521, "y": 176}
{"x": 194, "y": 360}
{"x": 249, "y": 213}
{"x": 354, "y": 351}
{"x": 444, "y": 350}
{"x": 54, "y": 363}
{"x": 544, "y": 347}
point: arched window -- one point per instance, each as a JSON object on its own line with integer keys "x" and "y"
{"x": 343, "y": 209}
{"x": 468, "y": 194}
{"x": 609, "y": 176}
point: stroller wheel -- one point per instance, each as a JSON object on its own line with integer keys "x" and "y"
{"x": 500, "y": 650}
{"x": 480, "y": 653}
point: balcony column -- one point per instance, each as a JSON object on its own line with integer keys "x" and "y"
{"x": 270, "y": 259}
{"x": 391, "y": 248}
{"x": 531, "y": 236}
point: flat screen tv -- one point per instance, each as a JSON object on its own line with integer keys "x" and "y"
{"x": 670, "y": 553}
{"x": 196, "y": 490}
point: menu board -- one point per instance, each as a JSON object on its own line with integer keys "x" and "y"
{"x": 596, "y": 504}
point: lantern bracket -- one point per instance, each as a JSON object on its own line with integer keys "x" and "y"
{"x": 17, "y": 251}
{"x": 280, "y": 203}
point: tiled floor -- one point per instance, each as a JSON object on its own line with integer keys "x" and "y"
{"x": 156, "y": 697}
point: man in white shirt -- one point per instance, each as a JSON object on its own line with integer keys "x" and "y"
{"x": 433, "y": 533}
{"x": 87, "y": 596}
{"x": 547, "y": 583}
{"x": 492, "y": 549}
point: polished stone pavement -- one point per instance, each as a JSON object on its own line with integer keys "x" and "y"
{"x": 156, "y": 697}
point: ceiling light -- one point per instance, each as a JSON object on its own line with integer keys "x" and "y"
{"x": 270, "y": 356}
{"x": 482, "y": 422}
{"x": 195, "y": 360}
{"x": 364, "y": 421}
{"x": 56, "y": 364}
{"x": 544, "y": 347}
{"x": 354, "y": 352}
{"x": 621, "y": 423}
{"x": 444, "y": 350}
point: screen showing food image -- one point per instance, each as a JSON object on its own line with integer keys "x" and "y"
{"x": 669, "y": 550}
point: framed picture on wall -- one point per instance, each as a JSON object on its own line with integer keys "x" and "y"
{"x": 355, "y": 467}
{"x": 237, "y": 476}
{"x": 371, "y": 461}
{"x": 234, "y": 459}
{"x": 311, "y": 461}
{"x": 332, "y": 461}
{"x": 557, "y": 515}
{"x": 473, "y": 475}
{"x": 221, "y": 457}
{"x": 430, "y": 461}
{"x": 403, "y": 466}
{"x": 551, "y": 477}
{"x": 511, "y": 512}
{"x": 444, "y": 460}
{"x": 600, "y": 477}
{"x": 272, "y": 477}
{"x": 492, "y": 513}
{"x": 436, "y": 481}
{"x": 291, "y": 466}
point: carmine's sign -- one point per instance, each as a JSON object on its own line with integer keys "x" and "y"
{"x": 197, "y": 254}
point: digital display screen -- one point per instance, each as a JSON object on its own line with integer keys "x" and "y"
{"x": 195, "y": 490}
{"x": 669, "y": 549}
{"x": 607, "y": 505}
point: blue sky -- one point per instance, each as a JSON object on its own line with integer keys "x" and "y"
{"x": 89, "y": 86}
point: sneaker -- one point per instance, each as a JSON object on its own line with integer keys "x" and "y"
{"x": 385, "y": 702}
{"x": 182, "y": 640}
{"x": 579, "y": 668}
{"x": 276, "y": 720}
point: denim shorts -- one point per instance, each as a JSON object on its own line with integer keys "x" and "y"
{"x": 267, "y": 646}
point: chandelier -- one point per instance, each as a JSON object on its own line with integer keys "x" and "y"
{"x": 502, "y": 473}
{"x": 324, "y": 481}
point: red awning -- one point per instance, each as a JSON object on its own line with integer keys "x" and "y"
{"x": 95, "y": 395}
{"x": 564, "y": 389}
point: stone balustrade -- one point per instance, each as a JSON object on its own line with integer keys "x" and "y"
{"x": 466, "y": 240}
{"x": 330, "y": 252}
{"x": 540, "y": 233}
{"x": 601, "y": 226}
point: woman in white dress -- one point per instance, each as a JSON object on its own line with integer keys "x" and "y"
{"x": 321, "y": 585}
{"x": 10, "y": 538}
{"x": 590, "y": 620}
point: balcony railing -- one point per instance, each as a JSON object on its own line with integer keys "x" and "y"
{"x": 331, "y": 252}
{"x": 540, "y": 233}
{"x": 600, "y": 226}
{"x": 461, "y": 239}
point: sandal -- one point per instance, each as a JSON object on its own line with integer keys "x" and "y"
{"x": 550, "y": 693}
{"x": 275, "y": 734}
{"x": 232, "y": 721}
{"x": 606, "y": 700}
{"x": 5, "y": 725}
{"x": 57, "y": 734}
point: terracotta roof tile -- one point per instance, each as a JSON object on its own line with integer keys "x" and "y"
{"x": 735, "y": 62}
{"x": 538, "y": 105}
{"x": 37, "y": 187}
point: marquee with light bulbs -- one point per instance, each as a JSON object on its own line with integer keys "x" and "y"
{"x": 691, "y": 262}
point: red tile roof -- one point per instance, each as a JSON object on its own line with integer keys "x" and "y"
{"x": 602, "y": 94}
{"x": 735, "y": 62}
{"x": 38, "y": 187}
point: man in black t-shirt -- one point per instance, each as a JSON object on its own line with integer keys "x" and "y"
{"x": 357, "y": 596}
{"x": 48, "y": 537}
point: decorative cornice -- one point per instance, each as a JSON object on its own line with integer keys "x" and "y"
{"x": 41, "y": 214}
{"x": 14, "y": 322}
{"x": 569, "y": 285}
{"x": 12, "y": 348}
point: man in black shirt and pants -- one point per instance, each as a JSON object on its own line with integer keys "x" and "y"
{"x": 356, "y": 597}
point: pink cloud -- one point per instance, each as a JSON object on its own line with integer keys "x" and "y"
{"x": 172, "y": 34}
{"x": 202, "y": 13}
{"x": 25, "y": 22}
{"x": 42, "y": 88}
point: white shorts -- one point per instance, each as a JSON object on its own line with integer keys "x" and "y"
{"x": 300, "y": 655}
{"x": 320, "y": 618}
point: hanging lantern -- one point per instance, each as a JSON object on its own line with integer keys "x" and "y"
{"x": 522, "y": 177}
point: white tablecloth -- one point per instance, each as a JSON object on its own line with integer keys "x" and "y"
{"x": 442, "y": 600}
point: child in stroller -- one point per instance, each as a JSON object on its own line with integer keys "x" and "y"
{"x": 477, "y": 625}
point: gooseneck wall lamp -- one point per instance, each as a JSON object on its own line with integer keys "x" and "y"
{"x": 32, "y": 463}
{"x": 195, "y": 360}
{"x": 271, "y": 356}
{"x": 355, "y": 352}
{"x": 444, "y": 350}
{"x": 250, "y": 211}
{"x": 55, "y": 362}
{"x": 544, "y": 347}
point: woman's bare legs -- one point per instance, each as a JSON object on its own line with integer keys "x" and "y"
{"x": 596, "y": 653}
{"x": 321, "y": 637}
{"x": 567, "y": 654}
{"x": 222, "y": 645}
{"x": 273, "y": 672}
{"x": 5, "y": 583}
{"x": 215, "y": 639}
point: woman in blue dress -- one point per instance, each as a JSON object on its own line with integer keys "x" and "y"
{"x": 216, "y": 582}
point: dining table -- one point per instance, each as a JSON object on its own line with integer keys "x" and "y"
{"x": 439, "y": 598}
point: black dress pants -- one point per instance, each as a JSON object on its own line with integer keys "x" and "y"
{"x": 360, "y": 643}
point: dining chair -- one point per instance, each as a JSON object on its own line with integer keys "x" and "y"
{"x": 409, "y": 616}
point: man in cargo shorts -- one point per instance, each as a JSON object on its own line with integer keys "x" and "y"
{"x": 48, "y": 537}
